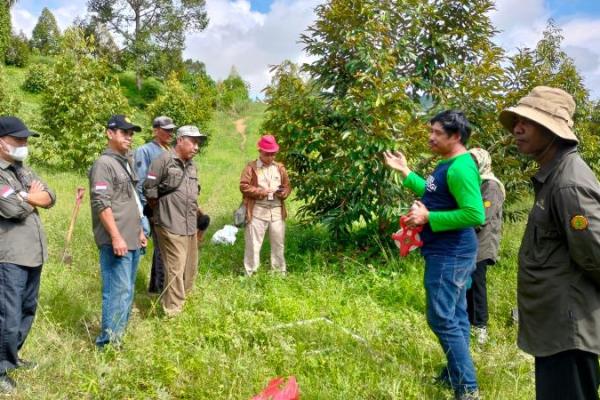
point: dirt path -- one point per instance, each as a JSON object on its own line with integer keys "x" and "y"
{"x": 240, "y": 127}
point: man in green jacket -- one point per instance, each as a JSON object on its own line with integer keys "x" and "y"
{"x": 559, "y": 261}
{"x": 449, "y": 209}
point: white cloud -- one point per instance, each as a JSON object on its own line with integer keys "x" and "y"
{"x": 250, "y": 40}
{"x": 24, "y": 20}
{"x": 523, "y": 28}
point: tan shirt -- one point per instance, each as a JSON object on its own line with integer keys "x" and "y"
{"x": 23, "y": 241}
{"x": 253, "y": 193}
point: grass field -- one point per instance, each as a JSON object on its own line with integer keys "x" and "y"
{"x": 236, "y": 333}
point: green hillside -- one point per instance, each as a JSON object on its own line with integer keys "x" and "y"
{"x": 348, "y": 324}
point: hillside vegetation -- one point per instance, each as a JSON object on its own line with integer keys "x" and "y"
{"x": 348, "y": 323}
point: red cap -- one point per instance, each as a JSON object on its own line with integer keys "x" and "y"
{"x": 267, "y": 143}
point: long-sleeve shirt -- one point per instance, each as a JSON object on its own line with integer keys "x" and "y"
{"x": 112, "y": 185}
{"x": 23, "y": 238}
{"x": 558, "y": 283}
{"x": 143, "y": 157}
{"x": 174, "y": 183}
{"x": 453, "y": 197}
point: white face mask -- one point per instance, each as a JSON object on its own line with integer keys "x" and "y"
{"x": 17, "y": 153}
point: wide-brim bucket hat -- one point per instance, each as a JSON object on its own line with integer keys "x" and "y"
{"x": 268, "y": 144}
{"x": 550, "y": 107}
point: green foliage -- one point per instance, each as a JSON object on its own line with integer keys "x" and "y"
{"x": 46, "y": 35}
{"x": 152, "y": 32}
{"x": 9, "y": 104}
{"x": 375, "y": 62}
{"x": 18, "y": 52}
{"x": 151, "y": 89}
{"x": 547, "y": 65}
{"x": 183, "y": 107}
{"x": 5, "y": 28}
{"x": 199, "y": 83}
{"x": 80, "y": 97}
{"x": 104, "y": 43}
{"x": 380, "y": 70}
{"x": 233, "y": 93}
{"x": 37, "y": 77}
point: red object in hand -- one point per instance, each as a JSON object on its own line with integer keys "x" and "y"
{"x": 276, "y": 391}
{"x": 407, "y": 239}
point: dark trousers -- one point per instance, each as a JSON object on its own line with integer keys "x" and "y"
{"x": 19, "y": 288}
{"x": 569, "y": 375}
{"x": 477, "y": 305}
{"x": 157, "y": 273}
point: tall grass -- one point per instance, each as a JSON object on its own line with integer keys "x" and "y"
{"x": 236, "y": 333}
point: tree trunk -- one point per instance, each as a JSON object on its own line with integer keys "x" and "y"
{"x": 138, "y": 77}
{"x": 138, "y": 67}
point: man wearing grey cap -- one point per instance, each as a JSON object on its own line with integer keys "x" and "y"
{"x": 162, "y": 128}
{"x": 23, "y": 248}
{"x": 172, "y": 190}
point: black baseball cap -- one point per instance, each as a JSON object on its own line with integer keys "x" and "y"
{"x": 120, "y": 121}
{"x": 13, "y": 126}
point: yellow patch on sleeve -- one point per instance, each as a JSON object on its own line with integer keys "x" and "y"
{"x": 487, "y": 204}
{"x": 579, "y": 222}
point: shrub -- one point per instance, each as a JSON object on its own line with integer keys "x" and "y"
{"x": 80, "y": 97}
{"x": 233, "y": 93}
{"x": 184, "y": 108}
{"x": 18, "y": 52}
{"x": 37, "y": 77}
{"x": 151, "y": 89}
{"x": 9, "y": 104}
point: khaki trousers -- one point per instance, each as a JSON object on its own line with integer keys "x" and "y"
{"x": 180, "y": 258}
{"x": 255, "y": 234}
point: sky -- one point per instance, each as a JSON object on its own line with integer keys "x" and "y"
{"x": 253, "y": 35}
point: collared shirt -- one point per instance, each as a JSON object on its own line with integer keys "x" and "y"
{"x": 559, "y": 260}
{"x": 174, "y": 182}
{"x": 23, "y": 238}
{"x": 269, "y": 178}
{"x": 144, "y": 155}
{"x": 112, "y": 185}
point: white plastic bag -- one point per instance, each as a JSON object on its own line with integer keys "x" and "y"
{"x": 225, "y": 235}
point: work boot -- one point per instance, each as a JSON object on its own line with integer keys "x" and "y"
{"x": 7, "y": 385}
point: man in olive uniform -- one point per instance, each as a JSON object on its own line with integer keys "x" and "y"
{"x": 172, "y": 189}
{"x": 162, "y": 128}
{"x": 23, "y": 247}
{"x": 559, "y": 259}
{"x": 116, "y": 221}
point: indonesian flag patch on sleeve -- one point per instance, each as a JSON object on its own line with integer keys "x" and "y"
{"x": 100, "y": 186}
{"x": 152, "y": 176}
{"x": 6, "y": 191}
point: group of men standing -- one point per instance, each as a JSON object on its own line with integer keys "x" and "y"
{"x": 559, "y": 259}
{"x": 162, "y": 180}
